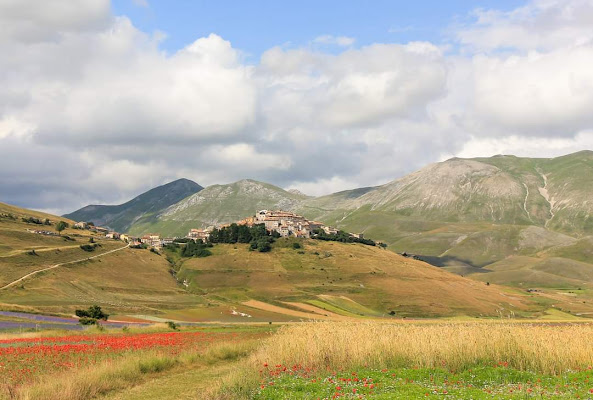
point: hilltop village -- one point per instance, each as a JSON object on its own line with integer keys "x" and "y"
{"x": 284, "y": 223}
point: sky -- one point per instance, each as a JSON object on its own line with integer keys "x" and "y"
{"x": 100, "y": 100}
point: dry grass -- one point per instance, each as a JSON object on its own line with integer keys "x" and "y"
{"x": 115, "y": 375}
{"x": 323, "y": 346}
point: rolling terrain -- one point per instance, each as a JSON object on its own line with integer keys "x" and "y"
{"x": 319, "y": 280}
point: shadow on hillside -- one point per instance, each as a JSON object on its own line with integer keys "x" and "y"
{"x": 454, "y": 264}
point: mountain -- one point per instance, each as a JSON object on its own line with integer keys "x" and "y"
{"x": 460, "y": 214}
{"x": 218, "y": 204}
{"x": 467, "y": 214}
{"x": 553, "y": 193}
{"x": 141, "y": 208}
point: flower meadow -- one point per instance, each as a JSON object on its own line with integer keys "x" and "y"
{"x": 482, "y": 382}
{"x": 24, "y": 359}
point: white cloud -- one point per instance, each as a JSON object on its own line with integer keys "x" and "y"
{"x": 342, "y": 41}
{"x": 525, "y": 146}
{"x": 361, "y": 86}
{"x": 32, "y": 21}
{"x": 539, "y": 25}
{"x": 323, "y": 186}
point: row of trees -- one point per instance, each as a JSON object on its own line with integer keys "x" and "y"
{"x": 195, "y": 249}
{"x": 341, "y": 236}
{"x": 257, "y": 236}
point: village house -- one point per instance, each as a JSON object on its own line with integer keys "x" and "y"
{"x": 101, "y": 229}
{"x": 287, "y": 223}
{"x": 112, "y": 235}
{"x": 199, "y": 234}
{"x": 167, "y": 241}
{"x": 249, "y": 221}
{"x": 329, "y": 230}
{"x": 81, "y": 225}
{"x": 152, "y": 240}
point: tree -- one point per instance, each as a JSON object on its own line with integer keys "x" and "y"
{"x": 91, "y": 315}
{"x": 60, "y": 226}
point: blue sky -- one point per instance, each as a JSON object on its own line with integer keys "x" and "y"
{"x": 255, "y": 26}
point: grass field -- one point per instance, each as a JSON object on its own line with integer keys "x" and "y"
{"x": 325, "y": 360}
{"x": 347, "y": 279}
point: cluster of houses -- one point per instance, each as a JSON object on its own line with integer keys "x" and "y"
{"x": 287, "y": 223}
{"x": 283, "y": 222}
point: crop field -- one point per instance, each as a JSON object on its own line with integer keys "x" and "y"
{"x": 376, "y": 360}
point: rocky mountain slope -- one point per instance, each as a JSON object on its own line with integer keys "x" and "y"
{"x": 141, "y": 208}
{"x": 553, "y": 193}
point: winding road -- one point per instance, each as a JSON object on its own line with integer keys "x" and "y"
{"x": 59, "y": 265}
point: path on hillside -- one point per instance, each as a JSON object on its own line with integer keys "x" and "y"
{"x": 59, "y": 265}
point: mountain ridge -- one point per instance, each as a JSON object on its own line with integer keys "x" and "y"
{"x": 122, "y": 216}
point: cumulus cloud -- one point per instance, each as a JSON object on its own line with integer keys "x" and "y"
{"x": 92, "y": 110}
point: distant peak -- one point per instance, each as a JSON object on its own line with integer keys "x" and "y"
{"x": 297, "y": 192}
{"x": 184, "y": 181}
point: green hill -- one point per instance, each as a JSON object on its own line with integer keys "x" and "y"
{"x": 141, "y": 209}
{"x": 218, "y": 204}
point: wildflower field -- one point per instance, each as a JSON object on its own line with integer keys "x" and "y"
{"x": 33, "y": 367}
{"x": 481, "y": 382}
{"x": 22, "y": 360}
{"x": 309, "y": 360}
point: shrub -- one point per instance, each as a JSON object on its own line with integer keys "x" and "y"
{"x": 32, "y": 220}
{"x": 296, "y": 245}
{"x": 88, "y": 247}
{"x": 172, "y": 325}
{"x": 263, "y": 246}
{"x": 93, "y": 312}
{"x": 193, "y": 249}
{"x": 87, "y": 321}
